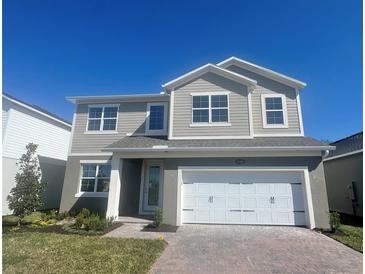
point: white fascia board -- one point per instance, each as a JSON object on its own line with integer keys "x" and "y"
{"x": 133, "y": 97}
{"x": 209, "y": 68}
{"x": 37, "y": 111}
{"x": 291, "y": 148}
{"x": 263, "y": 71}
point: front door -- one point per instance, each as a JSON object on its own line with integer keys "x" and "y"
{"x": 152, "y": 186}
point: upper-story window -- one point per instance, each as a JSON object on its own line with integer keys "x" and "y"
{"x": 102, "y": 118}
{"x": 210, "y": 109}
{"x": 274, "y": 114}
{"x": 156, "y": 120}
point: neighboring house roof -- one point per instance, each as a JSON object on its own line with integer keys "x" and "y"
{"x": 262, "y": 71}
{"x": 36, "y": 109}
{"x": 208, "y": 68}
{"x": 346, "y": 146}
{"x": 144, "y": 143}
{"x": 133, "y": 97}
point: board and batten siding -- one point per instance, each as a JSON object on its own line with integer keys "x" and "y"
{"x": 131, "y": 121}
{"x": 209, "y": 82}
{"x": 268, "y": 86}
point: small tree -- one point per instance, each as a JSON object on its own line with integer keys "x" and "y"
{"x": 26, "y": 196}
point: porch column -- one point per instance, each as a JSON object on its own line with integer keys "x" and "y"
{"x": 114, "y": 188}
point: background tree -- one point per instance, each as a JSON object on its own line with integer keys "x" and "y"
{"x": 26, "y": 196}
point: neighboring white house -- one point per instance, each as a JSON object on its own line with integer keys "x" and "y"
{"x": 23, "y": 123}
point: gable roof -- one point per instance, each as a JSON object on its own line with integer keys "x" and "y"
{"x": 208, "y": 68}
{"x": 36, "y": 109}
{"x": 262, "y": 71}
{"x": 346, "y": 146}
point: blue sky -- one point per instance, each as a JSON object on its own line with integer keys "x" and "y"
{"x": 52, "y": 49}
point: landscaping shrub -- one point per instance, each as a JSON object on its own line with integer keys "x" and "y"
{"x": 87, "y": 221}
{"x": 95, "y": 222}
{"x": 63, "y": 215}
{"x": 26, "y": 196}
{"x": 157, "y": 217}
{"x": 10, "y": 220}
{"x": 33, "y": 218}
{"x": 335, "y": 220}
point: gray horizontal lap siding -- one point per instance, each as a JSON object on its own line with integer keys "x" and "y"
{"x": 268, "y": 86}
{"x": 238, "y": 107}
{"x": 131, "y": 120}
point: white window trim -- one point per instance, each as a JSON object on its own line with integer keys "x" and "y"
{"x": 209, "y": 108}
{"x": 101, "y": 131}
{"x": 284, "y": 110}
{"x": 156, "y": 131}
{"x": 94, "y": 193}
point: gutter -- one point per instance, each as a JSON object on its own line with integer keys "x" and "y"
{"x": 75, "y": 99}
{"x": 166, "y": 149}
{"x": 343, "y": 155}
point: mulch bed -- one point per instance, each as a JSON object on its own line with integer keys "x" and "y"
{"x": 59, "y": 229}
{"x": 161, "y": 228}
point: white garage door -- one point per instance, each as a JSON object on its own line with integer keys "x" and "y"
{"x": 243, "y": 197}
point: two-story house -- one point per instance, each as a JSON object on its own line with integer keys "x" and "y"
{"x": 222, "y": 144}
{"x": 24, "y": 123}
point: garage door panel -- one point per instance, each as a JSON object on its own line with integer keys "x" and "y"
{"x": 234, "y": 217}
{"x": 281, "y": 189}
{"x": 264, "y": 217}
{"x": 283, "y": 203}
{"x": 247, "y": 189}
{"x": 248, "y": 202}
{"x": 249, "y": 218}
{"x": 188, "y": 216}
{"x": 233, "y": 188}
{"x": 219, "y": 202}
{"x": 189, "y": 202}
{"x": 217, "y": 188}
{"x": 240, "y": 197}
{"x": 202, "y": 188}
{"x": 263, "y": 202}
{"x": 219, "y": 216}
{"x": 203, "y": 202}
{"x": 189, "y": 188}
{"x": 283, "y": 217}
{"x": 202, "y": 216}
{"x": 263, "y": 189}
{"x": 234, "y": 202}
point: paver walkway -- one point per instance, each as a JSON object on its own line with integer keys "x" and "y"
{"x": 249, "y": 249}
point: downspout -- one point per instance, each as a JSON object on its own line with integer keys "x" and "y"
{"x": 325, "y": 154}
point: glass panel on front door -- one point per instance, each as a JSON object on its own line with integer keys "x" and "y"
{"x": 153, "y": 185}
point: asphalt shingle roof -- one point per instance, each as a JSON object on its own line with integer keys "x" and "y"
{"x": 346, "y": 145}
{"x": 149, "y": 142}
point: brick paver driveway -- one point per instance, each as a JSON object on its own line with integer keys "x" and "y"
{"x": 255, "y": 249}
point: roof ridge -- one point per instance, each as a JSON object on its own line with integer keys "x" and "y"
{"x": 348, "y": 137}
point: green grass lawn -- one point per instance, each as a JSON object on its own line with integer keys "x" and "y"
{"x": 350, "y": 236}
{"x": 39, "y": 252}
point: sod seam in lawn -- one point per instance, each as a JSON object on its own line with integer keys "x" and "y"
{"x": 31, "y": 252}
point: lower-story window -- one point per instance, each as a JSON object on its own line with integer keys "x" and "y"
{"x": 95, "y": 177}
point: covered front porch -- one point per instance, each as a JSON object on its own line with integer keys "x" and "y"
{"x": 135, "y": 191}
